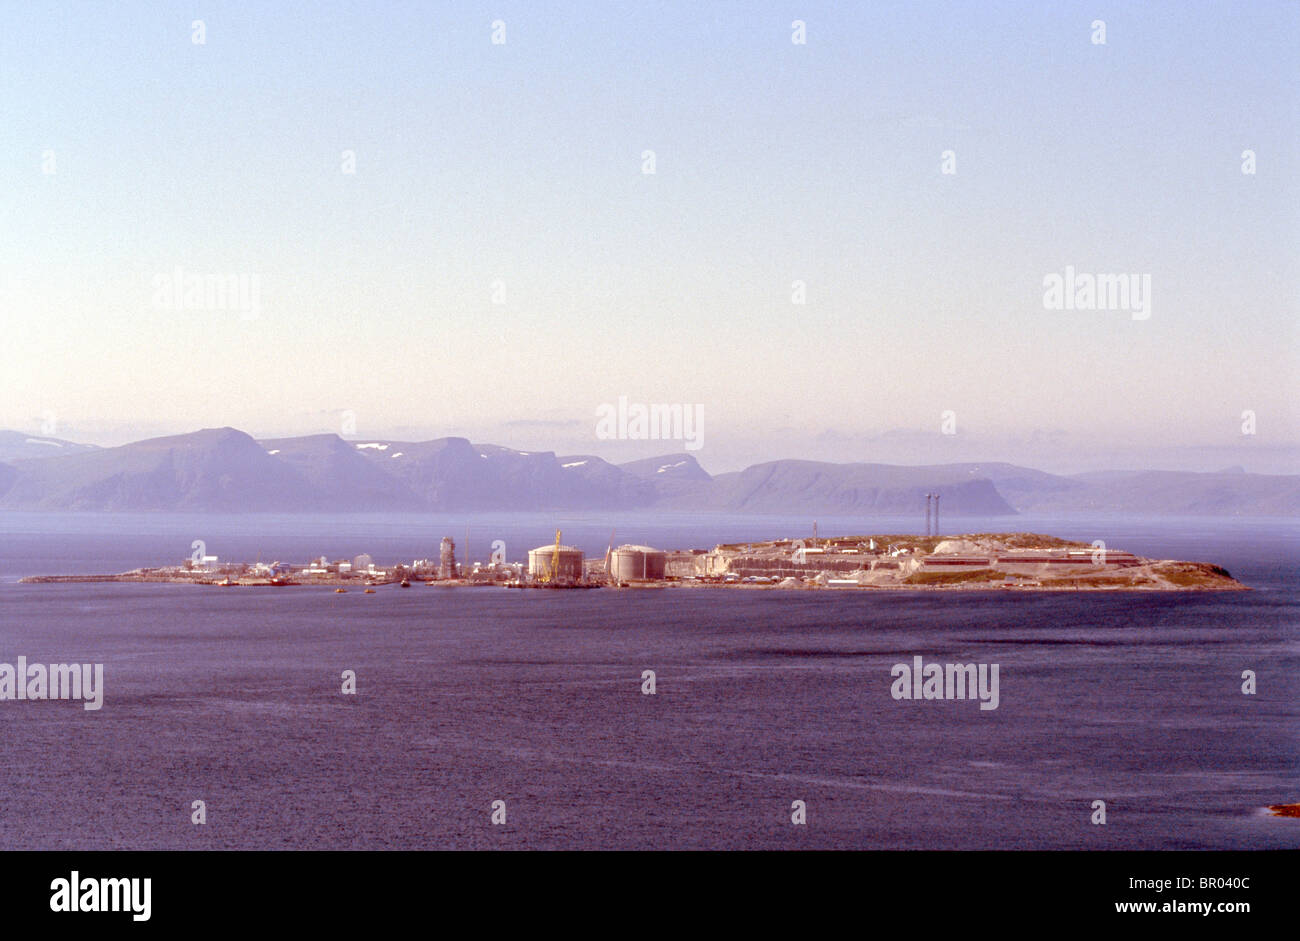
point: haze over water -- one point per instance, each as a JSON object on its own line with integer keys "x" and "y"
{"x": 466, "y": 696}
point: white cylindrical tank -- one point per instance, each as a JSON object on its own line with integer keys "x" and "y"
{"x": 570, "y": 562}
{"x": 627, "y": 563}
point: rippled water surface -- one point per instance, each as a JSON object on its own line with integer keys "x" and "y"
{"x": 473, "y": 695}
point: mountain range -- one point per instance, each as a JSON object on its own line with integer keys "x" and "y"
{"x": 227, "y": 470}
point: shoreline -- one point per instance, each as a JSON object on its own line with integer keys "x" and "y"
{"x": 896, "y": 562}
{"x": 663, "y": 585}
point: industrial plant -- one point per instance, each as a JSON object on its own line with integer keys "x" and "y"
{"x": 979, "y": 560}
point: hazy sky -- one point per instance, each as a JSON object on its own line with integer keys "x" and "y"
{"x": 128, "y": 151}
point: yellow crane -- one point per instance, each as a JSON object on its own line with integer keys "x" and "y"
{"x": 551, "y": 573}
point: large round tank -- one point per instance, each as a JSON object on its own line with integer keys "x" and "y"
{"x": 636, "y": 562}
{"x": 570, "y": 563}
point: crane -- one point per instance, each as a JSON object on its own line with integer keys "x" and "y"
{"x": 551, "y": 573}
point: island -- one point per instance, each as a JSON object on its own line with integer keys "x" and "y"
{"x": 972, "y": 561}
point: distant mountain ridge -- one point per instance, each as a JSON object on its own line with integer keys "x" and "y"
{"x": 16, "y": 446}
{"x": 227, "y": 470}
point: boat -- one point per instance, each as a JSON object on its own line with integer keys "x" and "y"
{"x": 340, "y": 591}
{"x": 370, "y": 591}
{"x": 226, "y": 582}
{"x": 406, "y": 583}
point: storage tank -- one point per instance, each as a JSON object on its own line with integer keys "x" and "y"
{"x": 570, "y": 565}
{"x": 636, "y": 562}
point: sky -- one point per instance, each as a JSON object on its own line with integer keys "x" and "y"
{"x": 499, "y": 264}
